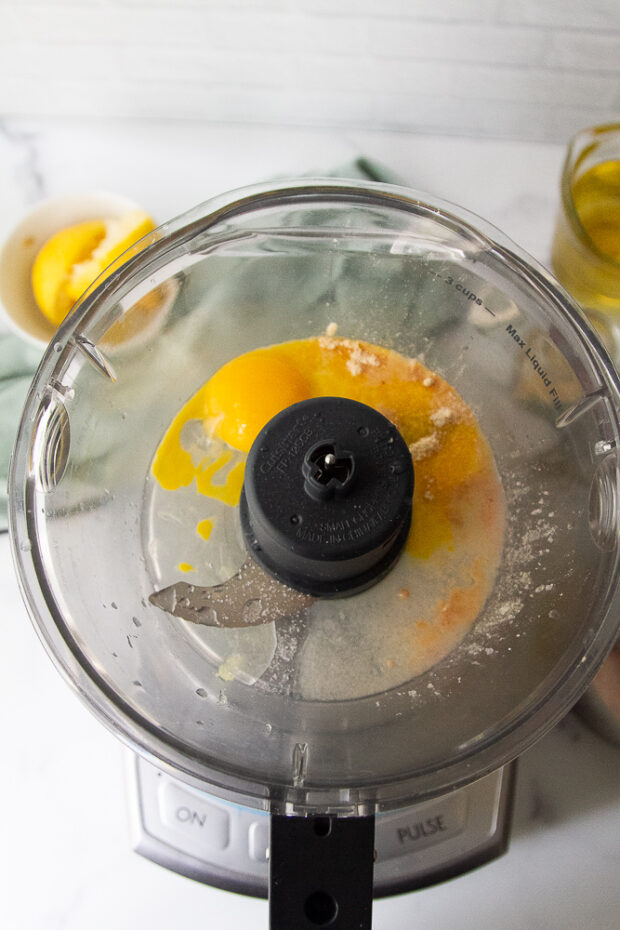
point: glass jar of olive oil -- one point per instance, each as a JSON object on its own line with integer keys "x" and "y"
{"x": 586, "y": 245}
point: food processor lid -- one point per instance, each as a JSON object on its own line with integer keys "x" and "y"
{"x": 97, "y": 540}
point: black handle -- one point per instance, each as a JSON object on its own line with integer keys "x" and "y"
{"x": 320, "y": 872}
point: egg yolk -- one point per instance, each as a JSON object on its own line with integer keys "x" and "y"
{"x": 247, "y": 392}
{"x": 448, "y": 449}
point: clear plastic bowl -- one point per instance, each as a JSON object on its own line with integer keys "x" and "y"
{"x": 266, "y": 265}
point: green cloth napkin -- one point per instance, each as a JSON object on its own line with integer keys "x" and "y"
{"x": 365, "y": 169}
{"x": 19, "y": 360}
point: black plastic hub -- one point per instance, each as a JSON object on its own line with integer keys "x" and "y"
{"x": 326, "y": 503}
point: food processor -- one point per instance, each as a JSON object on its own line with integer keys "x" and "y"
{"x": 271, "y": 749}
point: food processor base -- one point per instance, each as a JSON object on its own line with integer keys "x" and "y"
{"x": 226, "y": 845}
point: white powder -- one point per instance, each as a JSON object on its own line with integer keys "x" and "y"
{"x": 424, "y": 447}
{"x": 359, "y": 358}
{"x": 354, "y": 367}
{"x": 443, "y": 416}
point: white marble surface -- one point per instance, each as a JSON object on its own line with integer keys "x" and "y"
{"x": 65, "y": 859}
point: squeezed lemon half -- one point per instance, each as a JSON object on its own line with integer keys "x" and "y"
{"x": 74, "y": 257}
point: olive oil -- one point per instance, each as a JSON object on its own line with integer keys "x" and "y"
{"x": 596, "y": 196}
{"x": 586, "y": 248}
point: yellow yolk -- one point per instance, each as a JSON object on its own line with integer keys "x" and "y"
{"x": 448, "y": 448}
{"x": 204, "y": 528}
{"x": 248, "y": 391}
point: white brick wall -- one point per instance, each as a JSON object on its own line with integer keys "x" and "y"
{"x": 523, "y": 69}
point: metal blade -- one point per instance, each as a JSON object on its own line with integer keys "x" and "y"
{"x": 249, "y": 598}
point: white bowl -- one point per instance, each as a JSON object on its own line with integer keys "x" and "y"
{"x": 17, "y": 302}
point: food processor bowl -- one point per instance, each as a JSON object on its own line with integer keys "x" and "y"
{"x": 94, "y": 537}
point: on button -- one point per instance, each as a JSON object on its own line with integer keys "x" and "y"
{"x": 201, "y": 825}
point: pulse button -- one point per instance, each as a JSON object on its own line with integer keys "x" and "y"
{"x": 421, "y": 827}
